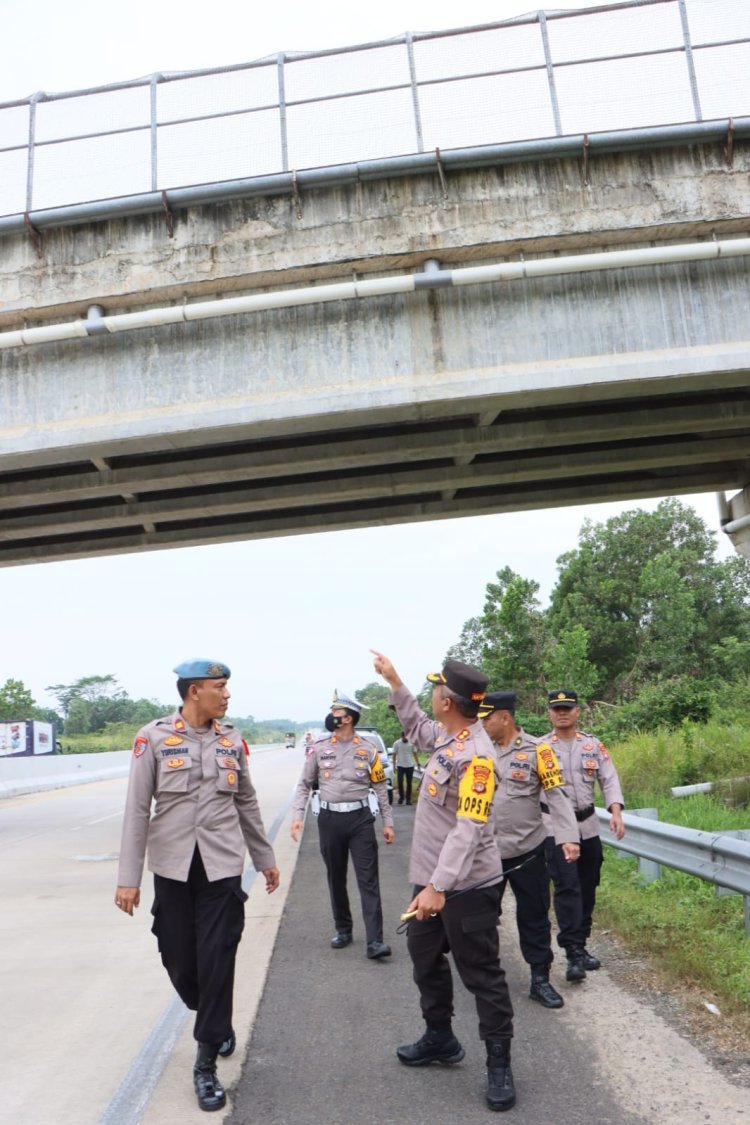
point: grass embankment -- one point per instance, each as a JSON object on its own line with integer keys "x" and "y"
{"x": 692, "y": 935}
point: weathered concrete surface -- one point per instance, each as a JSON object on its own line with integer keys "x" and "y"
{"x": 488, "y": 213}
{"x": 443, "y": 402}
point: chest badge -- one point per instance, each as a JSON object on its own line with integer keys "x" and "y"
{"x": 173, "y": 740}
{"x": 232, "y": 778}
{"x": 175, "y": 763}
{"x": 230, "y": 763}
{"x": 432, "y": 789}
{"x": 225, "y": 741}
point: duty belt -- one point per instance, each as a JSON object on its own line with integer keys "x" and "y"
{"x": 581, "y": 814}
{"x": 344, "y": 806}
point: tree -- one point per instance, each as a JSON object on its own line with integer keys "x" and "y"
{"x": 567, "y": 665}
{"x": 516, "y": 636}
{"x": 654, "y": 601}
{"x": 16, "y": 701}
{"x": 378, "y": 714}
{"x": 470, "y": 646}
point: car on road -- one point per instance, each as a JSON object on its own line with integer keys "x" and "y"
{"x": 372, "y": 734}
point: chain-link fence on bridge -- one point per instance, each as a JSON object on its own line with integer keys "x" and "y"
{"x": 621, "y": 66}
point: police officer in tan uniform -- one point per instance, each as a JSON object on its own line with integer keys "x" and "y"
{"x": 345, "y": 766}
{"x": 527, "y": 767}
{"x": 456, "y": 871}
{"x": 206, "y": 815}
{"x": 585, "y": 762}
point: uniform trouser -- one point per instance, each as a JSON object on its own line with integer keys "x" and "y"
{"x": 198, "y": 925}
{"x": 530, "y": 885}
{"x": 405, "y": 775}
{"x": 575, "y": 890}
{"x": 342, "y": 833}
{"x": 467, "y": 928}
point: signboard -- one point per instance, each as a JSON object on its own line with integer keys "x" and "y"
{"x": 26, "y": 737}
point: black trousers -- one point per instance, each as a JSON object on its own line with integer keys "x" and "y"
{"x": 531, "y": 891}
{"x": 467, "y": 928}
{"x": 575, "y": 890}
{"x": 405, "y": 775}
{"x": 198, "y": 926}
{"x": 342, "y": 834}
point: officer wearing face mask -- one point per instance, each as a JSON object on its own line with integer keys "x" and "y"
{"x": 346, "y": 767}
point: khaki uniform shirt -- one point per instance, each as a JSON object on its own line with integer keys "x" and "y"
{"x": 345, "y": 771}
{"x": 585, "y": 762}
{"x": 453, "y": 846}
{"x": 529, "y": 771}
{"x": 204, "y": 796}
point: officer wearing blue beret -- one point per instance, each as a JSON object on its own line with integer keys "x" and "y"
{"x": 206, "y": 815}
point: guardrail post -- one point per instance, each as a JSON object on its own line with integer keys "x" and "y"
{"x": 648, "y": 869}
{"x": 739, "y": 834}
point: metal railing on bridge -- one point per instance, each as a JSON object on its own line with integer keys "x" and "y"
{"x": 628, "y": 65}
{"x": 720, "y": 858}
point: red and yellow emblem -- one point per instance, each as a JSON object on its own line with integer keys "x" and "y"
{"x": 179, "y": 724}
{"x": 173, "y": 740}
{"x": 139, "y": 746}
{"x": 225, "y": 741}
{"x": 548, "y": 767}
{"x": 175, "y": 763}
{"x": 476, "y": 790}
{"x": 230, "y": 763}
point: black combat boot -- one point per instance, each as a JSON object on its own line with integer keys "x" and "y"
{"x": 542, "y": 990}
{"x": 209, "y": 1090}
{"x": 501, "y": 1093}
{"x": 590, "y": 963}
{"x": 228, "y": 1046}
{"x": 340, "y": 939}
{"x": 434, "y": 1046}
{"x": 576, "y": 970}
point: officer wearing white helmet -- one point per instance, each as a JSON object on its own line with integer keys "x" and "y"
{"x": 345, "y": 767}
{"x": 205, "y": 818}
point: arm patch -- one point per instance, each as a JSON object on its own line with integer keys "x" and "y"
{"x": 548, "y": 767}
{"x": 377, "y": 773}
{"x": 476, "y": 790}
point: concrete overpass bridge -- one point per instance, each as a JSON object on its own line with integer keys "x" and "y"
{"x": 499, "y": 327}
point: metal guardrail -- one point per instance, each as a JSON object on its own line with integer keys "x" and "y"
{"x": 715, "y": 857}
{"x": 627, "y": 65}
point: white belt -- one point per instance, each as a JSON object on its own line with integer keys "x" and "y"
{"x": 343, "y": 806}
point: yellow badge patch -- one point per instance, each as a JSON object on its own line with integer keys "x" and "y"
{"x": 179, "y": 725}
{"x": 476, "y": 790}
{"x": 230, "y": 763}
{"x": 175, "y": 763}
{"x": 377, "y": 773}
{"x": 173, "y": 740}
{"x": 232, "y": 778}
{"x": 432, "y": 789}
{"x": 521, "y": 756}
{"x": 225, "y": 741}
{"x": 548, "y": 767}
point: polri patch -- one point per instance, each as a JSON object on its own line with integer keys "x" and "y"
{"x": 139, "y": 746}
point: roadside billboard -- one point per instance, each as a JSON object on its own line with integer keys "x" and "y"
{"x": 26, "y": 737}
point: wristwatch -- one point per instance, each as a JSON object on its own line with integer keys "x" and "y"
{"x": 439, "y": 890}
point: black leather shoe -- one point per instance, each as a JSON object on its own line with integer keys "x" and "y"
{"x": 208, "y": 1089}
{"x": 542, "y": 990}
{"x": 434, "y": 1046}
{"x": 228, "y": 1046}
{"x": 377, "y": 949}
{"x": 501, "y": 1093}
{"x": 590, "y": 963}
{"x": 340, "y": 940}
{"x": 576, "y": 970}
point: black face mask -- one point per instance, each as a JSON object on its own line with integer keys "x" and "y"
{"x": 333, "y": 721}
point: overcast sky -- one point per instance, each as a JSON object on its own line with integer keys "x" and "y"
{"x": 295, "y": 617}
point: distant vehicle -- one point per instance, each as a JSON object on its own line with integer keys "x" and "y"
{"x": 290, "y": 739}
{"x": 372, "y": 734}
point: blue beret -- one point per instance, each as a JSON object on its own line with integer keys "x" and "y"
{"x": 202, "y": 670}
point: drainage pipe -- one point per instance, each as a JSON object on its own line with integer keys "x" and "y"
{"x": 432, "y": 278}
{"x": 422, "y": 163}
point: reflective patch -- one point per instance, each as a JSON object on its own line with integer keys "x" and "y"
{"x": 139, "y": 746}
{"x": 377, "y": 773}
{"x": 176, "y": 763}
{"x": 432, "y": 789}
{"x": 476, "y": 789}
{"x": 548, "y": 767}
{"x": 173, "y": 740}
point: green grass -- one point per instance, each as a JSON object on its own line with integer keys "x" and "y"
{"x": 692, "y": 934}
